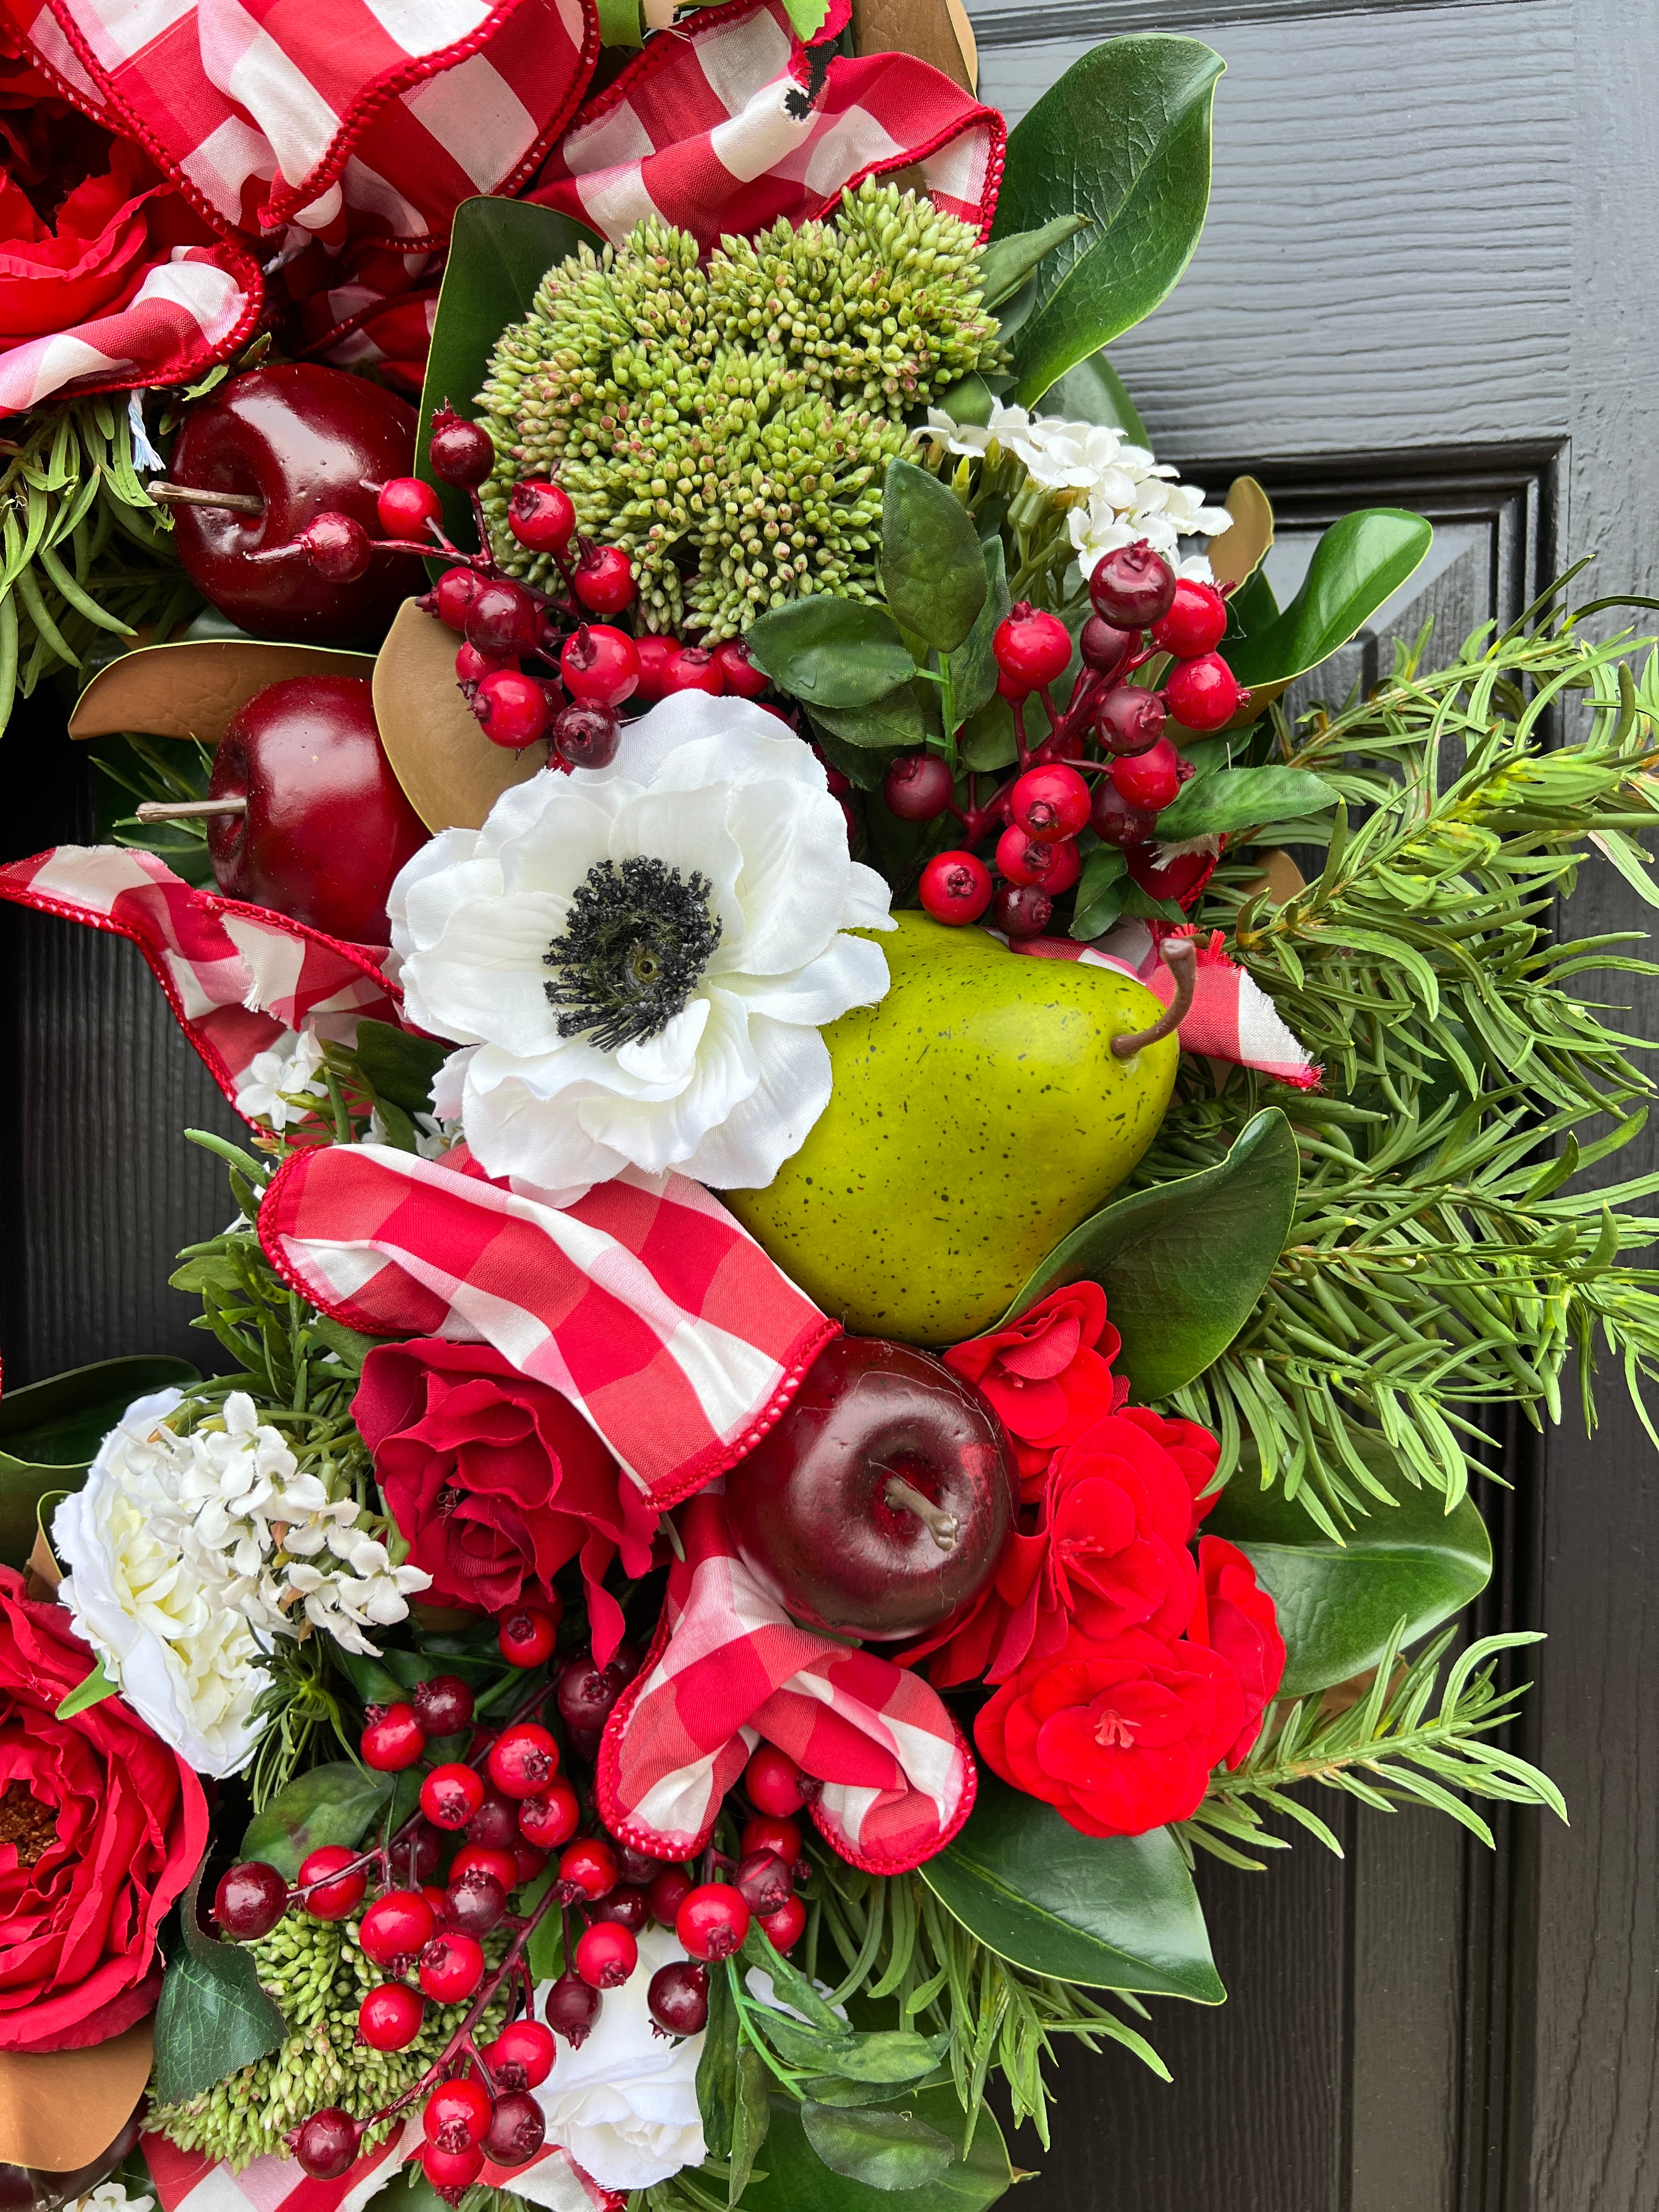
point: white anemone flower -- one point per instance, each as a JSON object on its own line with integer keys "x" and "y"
{"x": 636, "y": 960}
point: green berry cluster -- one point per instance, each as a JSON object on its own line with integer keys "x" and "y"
{"x": 318, "y": 1975}
{"x": 729, "y": 426}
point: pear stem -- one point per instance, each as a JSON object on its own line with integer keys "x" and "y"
{"x": 186, "y": 810}
{"x": 944, "y": 1527}
{"x": 176, "y": 495}
{"x": 1180, "y": 957}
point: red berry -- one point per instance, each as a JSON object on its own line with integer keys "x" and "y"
{"x": 586, "y": 1868}
{"x": 523, "y": 1760}
{"x": 1032, "y": 648}
{"x": 528, "y": 1860}
{"x": 1115, "y": 821}
{"x": 693, "y": 668}
{"x": 655, "y": 654}
{"x": 528, "y": 1634}
{"x": 451, "y": 1967}
{"x": 460, "y": 453}
{"x": 763, "y": 1833}
{"x": 389, "y": 2017}
{"x": 766, "y": 1882}
{"x": 572, "y": 2008}
{"x": 503, "y": 618}
{"x": 394, "y": 1738}
{"x": 1149, "y": 780}
{"x": 451, "y": 1795}
{"x": 327, "y": 2144}
{"x": 1129, "y": 721}
{"x": 954, "y": 888}
{"x": 484, "y": 1858}
{"x": 1020, "y": 858}
{"x": 551, "y": 1817}
{"x": 678, "y": 1998}
{"x": 540, "y": 516}
{"x": 405, "y": 506}
{"x": 496, "y": 1823}
{"x": 1022, "y": 909}
{"x": 587, "y": 1690}
{"x": 457, "y": 2113}
{"x": 606, "y": 1955}
{"x": 443, "y": 1706}
{"x": 635, "y": 1867}
{"x": 773, "y": 1782}
{"x": 398, "y": 1925}
{"x": 517, "y": 2131}
{"x": 475, "y": 1903}
{"x": 522, "y": 2055}
{"x": 415, "y": 1857}
{"x": 1049, "y": 803}
{"x": 472, "y": 667}
{"x": 742, "y": 677}
{"x": 1102, "y": 647}
{"x": 337, "y": 547}
{"x": 250, "y": 1900}
{"x": 1202, "y": 694}
{"x": 599, "y": 666}
{"x": 457, "y": 588}
{"x": 783, "y": 1928}
{"x": 918, "y": 786}
{"x": 1132, "y": 587}
{"x": 713, "y": 1920}
{"x": 1195, "y": 623}
{"x": 625, "y": 1904}
{"x": 451, "y": 2173}
{"x": 1065, "y": 866}
{"x": 330, "y": 1900}
{"x": 605, "y": 579}
{"x": 585, "y": 736}
{"x": 666, "y": 1892}
{"x": 511, "y": 709}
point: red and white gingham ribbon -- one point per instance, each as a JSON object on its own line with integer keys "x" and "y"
{"x": 728, "y": 1667}
{"x": 189, "y": 2181}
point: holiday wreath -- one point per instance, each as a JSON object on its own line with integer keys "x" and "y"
{"x": 886, "y": 1206}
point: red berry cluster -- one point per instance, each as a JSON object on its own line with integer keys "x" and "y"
{"x": 1109, "y": 727}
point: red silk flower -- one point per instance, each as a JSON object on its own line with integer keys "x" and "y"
{"x": 1236, "y": 1617}
{"x": 89, "y": 259}
{"x": 1048, "y": 1375}
{"x": 101, "y": 1827}
{"x": 495, "y": 1481}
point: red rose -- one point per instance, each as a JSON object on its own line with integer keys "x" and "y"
{"x": 496, "y": 1481}
{"x": 1048, "y": 1375}
{"x": 1118, "y": 1737}
{"x": 1235, "y": 1616}
{"x": 101, "y": 1826}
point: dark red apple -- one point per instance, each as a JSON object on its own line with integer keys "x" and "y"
{"x": 303, "y": 441}
{"x": 882, "y": 1499}
{"x": 326, "y": 826}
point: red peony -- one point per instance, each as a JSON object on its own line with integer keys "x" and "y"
{"x": 1119, "y": 1737}
{"x": 495, "y": 1481}
{"x": 1048, "y": 1375}
{"x": 1235, "y": 1616}
{"x": 101, "y": 1826}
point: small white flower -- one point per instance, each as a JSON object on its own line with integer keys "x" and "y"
{"x": 279, "y": 1082}
{"x": 433, "y": 1137}
{"x": 110, "y": 2195}
{"x": 637, "y": 959}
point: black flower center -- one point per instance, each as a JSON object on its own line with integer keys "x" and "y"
{"x": 639, "y": 937}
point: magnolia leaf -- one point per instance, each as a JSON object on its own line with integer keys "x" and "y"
{"x": 1242, "y": 798}
{"x": 1238, "y": 553}
{"x": 398, "y": 1065}
{"x": 192, "y": 688}
{"x": 973, "y": 665}
{"x": 1114, "y": 1913}
{"x": 1124, "y": 139}
{"x": 213, "y": 2017}
{"x": 1358, "y": 562}
{"x": 331, "y": 1804}
{"x": 50, "y": 1433}
{"x": 93, "y": 1691}
{"x": 1007, "y": 263}
{"x": 1093, "y": 392}
{"x": 885, "y": 2147}
{"x": 1183, "y": 1263}
{"x": 830, "y": 652}
{"x": 932, "y": 569}
{"x": 1339, "y": 1604}
{"x": 451, "y": 774}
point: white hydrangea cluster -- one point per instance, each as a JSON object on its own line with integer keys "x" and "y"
{"x": 1119, "y": 492}
{"x": 278, "y": 1083}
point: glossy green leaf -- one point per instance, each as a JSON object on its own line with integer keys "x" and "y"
{"x": 1116, "y": 1912}
{"x": 752, "y": 2118}
{"x": 969, "y": 400}
{"x": 1242, "y": 798}
{"x": 1358, "y": 562}
{"x": 973, "y": 665}
{"x": 894, "y": 2056}
{"x": 988, "y": 742}
{"x": 50, "y": 1433}
{"x": 398, "y": 1065}
{"x": 213, "y": 2016}
{"x": 1339, "y": 1603}
{"x": 1099, "y": 892}
{"x": 331, "y": 1804}
{"x": 1123, "y": 139}
{"x": 885, "y": 2147}
{"x": 1183, "y": 1263}
{"x": 718, "y": 2085}
{"x": 932, "y": 568}
{"x": 888, "y": 725}
{"x": 830, "y": 652}
{"x": 1093, "y": 392}
{"x": 499, "y": 251}
{"x": 798, "y": 2180}
{"x": 1007, "y": 262}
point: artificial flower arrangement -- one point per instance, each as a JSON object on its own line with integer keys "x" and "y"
{"x": 857, "y": 1321}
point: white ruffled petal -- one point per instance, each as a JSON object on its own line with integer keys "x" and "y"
{"x": 772, "y": 1124}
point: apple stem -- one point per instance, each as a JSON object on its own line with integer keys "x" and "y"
{"x": 174, "y": 495}
{"x": 944, "y": 1527}
{"x": 186, "y": 809}
{"x": 1180, "y": 957}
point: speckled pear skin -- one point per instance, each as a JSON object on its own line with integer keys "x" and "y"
{"x": 978, "y": 1116}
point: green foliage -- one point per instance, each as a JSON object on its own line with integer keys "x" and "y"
{"x": 213, "y": 2016}
{"x": 831, "y": 653}
{"x": 334, "y": 1803}
{"x": 1242, "y": 798}
{"x": 1357, "y": 563}
{"x": 807, "y": 2166}
{"x": 135, "y": 768}
{"x": 932, "y": 566}
{"x": 50, "y": 1433}
{"x": 1093, "y": 392}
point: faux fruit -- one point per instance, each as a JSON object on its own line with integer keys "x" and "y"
{"x": 301, "y": 440}
{"x": 325, "y": 827}
{"x": 979, "y": 1114}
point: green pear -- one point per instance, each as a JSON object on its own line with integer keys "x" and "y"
{"x": 978, "y": 1116}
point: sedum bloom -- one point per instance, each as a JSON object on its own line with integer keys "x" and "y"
{"x": 636, "y": 960}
